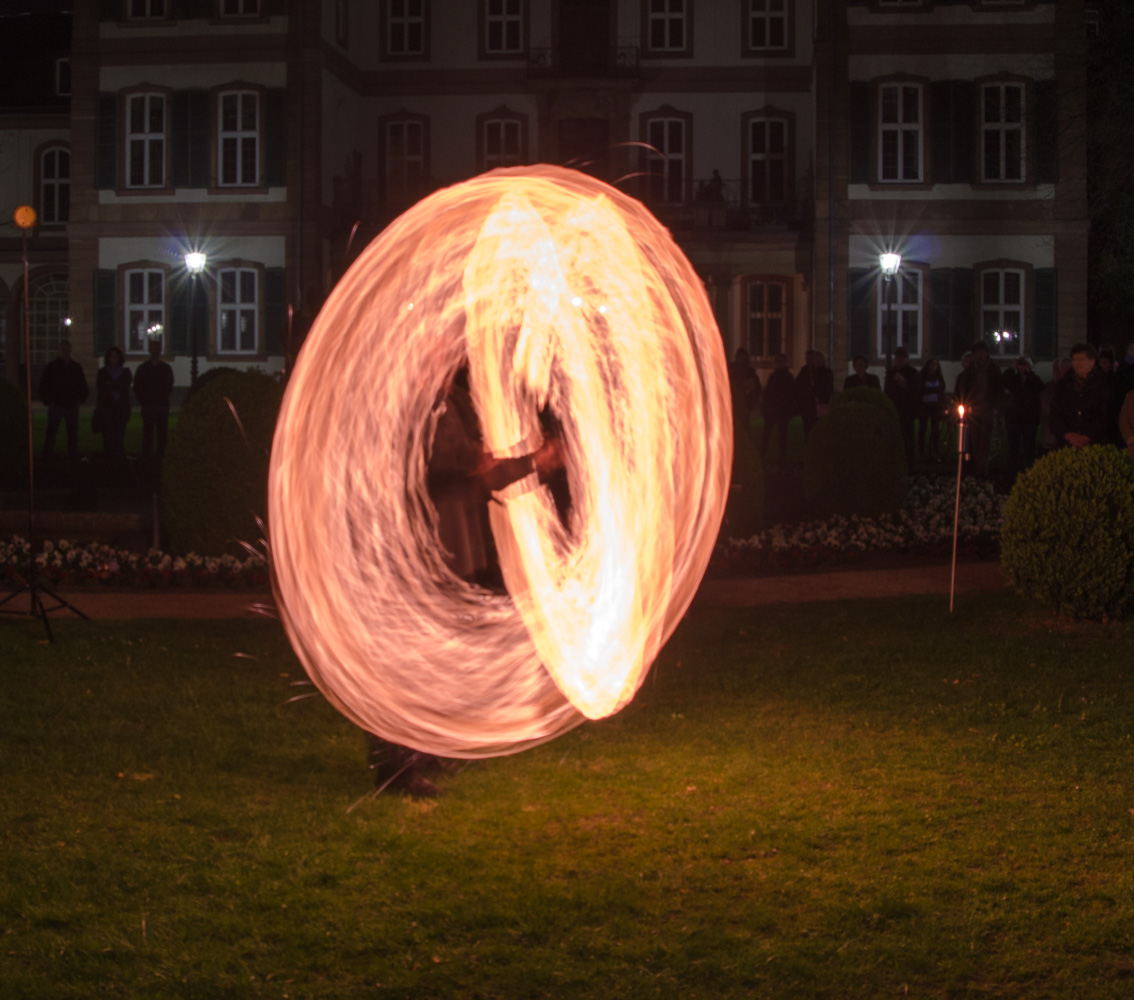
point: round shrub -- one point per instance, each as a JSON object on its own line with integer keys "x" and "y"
{"x": 854, "y": 462}
{"x": 1068, "y": 532}
{"x": 744, "y": 513}
{"x": 214, "y": 481}
{"x": 13, "y": 435}
{"x": 204, "y": 379}
{"x": 865, "y": 396}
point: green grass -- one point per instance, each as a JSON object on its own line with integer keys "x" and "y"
{"x": 90, "y": 444}
{"x": 835, "y": 800}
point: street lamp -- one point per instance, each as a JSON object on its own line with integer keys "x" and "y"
{"x": 195, "y": 262}
{"x": 890, "y": 262}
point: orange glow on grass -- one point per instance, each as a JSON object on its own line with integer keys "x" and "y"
{"x": 559, "y": 291}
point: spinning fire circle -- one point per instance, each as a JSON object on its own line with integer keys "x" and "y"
{"x": 559, "y": 292}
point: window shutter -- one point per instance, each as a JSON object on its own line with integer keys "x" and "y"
{"x": 179, "y": 313}
{"x": 1045, "y": 129}
{"x": 860, "y": 132}
{"x": 199, "y": 131}
{"x": 941, "y": 317}
{"x": 961, "y": 328}
{"x": 860, "y": 286}
{"x": 179, "y": 139}
{"x": 941, "y": 107}
{"x": 1045, "y": 322}
{"x": 106, "y": 311}
{"x": 107, "y": 168}
{"x": 963, "y": 144}
{"x": 275, "y": 137}
{"x": 275, "y": 309}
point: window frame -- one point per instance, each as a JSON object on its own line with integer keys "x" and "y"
{"x": 387, "y": 19}
{"x": 648, "y": 119}
{"x": 748, "y": 120}
{"x": 767, "y": 51}
{"x": 920, "y": 309}
{"x": 146, "y": 138}
{"x": 485, "y": 19}
{"x": 241, "y": 15}
{"x": 982, "y": 126}
{"x": 901, "y": 128}
{"x": 149, "y": 14}
{"x": 43, "y": 183}
{"x": 146, "y": 307}
{"x": 220, "y": 307}
{"x": 397, "y": 201}
{"x": 504, "y": 116}
{"x": 220, "y": 134}
{"x": 750, "y": 281}
{"x": 1026, "y": 273}
{"x": 649, "y": 16}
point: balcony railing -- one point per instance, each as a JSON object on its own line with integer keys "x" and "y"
{"x": 618, "y": 61}
{"x": 724, "y": 205}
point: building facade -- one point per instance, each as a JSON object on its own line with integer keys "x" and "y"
{"x": 785, "y": 143}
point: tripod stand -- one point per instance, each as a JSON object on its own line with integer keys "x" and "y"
{"x": 24, "y": 217}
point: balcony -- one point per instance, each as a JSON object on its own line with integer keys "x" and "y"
{"x": 619, "y": 61}
{"x": 722, "y": 206}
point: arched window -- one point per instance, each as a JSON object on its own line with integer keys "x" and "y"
{"x": 50, "y": 306}
{"x": 54, "y": 185}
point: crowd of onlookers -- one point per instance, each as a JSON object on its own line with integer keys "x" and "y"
{"x": 63, "y": 389}
{"x": 1089, "y": 399}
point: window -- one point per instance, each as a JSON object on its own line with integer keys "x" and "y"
{"x": 145, "y": 309}
{"x": 767, "y": 304}
{"x": 767, "y": 25}
{"x": 54, "y": 186}
{"x": 239, "y": 140}
{"x": 237, "y": 310}
{"x": 63, "y": 77}
{"x": 49, "y": 309}
{"x": 145, "y": 140}
{"x": 503, "y": 27}
{"x": 404, "y": 161}
{"x": 899, "y": 132}
{"x": 405, "y": 33}
{"x": 501, "y": 142}
{"x": 1002, "y": 311}
{"x": 1002, "y": 131}
{"x": 147, "y": 9}
{"x": 666, "y": 161}
{"x": 667, "y": 28}
{"x": 900, "y": 312}
{"x": 767, "y": 160}
{"x": 240, "y": 8}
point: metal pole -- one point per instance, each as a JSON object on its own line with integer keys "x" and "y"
{"x": 193, "y": 328}
{"x": 957, "y": 505}
{"x": 31, "y": 437}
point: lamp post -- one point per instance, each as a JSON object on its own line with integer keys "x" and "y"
{"x": 195, "y": 262}
{"x": 890, "y": 262}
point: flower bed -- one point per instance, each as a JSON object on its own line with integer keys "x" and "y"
{"x": 924, "y": 526}
{"x": 64, "y": 564}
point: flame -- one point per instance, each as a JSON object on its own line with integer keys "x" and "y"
{"x": 557, "y": 291}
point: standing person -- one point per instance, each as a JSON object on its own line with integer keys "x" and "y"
{"x": 153, "y": 386}
{"x": 806, "y": 401}
{"x": 779, "y": 406}
{"x": 1082, "y": 412}
{"x": 1125, "y": 372}
{"x": 1126, "y": 422}
{"x": 861, "y": 379}
{"x": 932, "y": 412}
{"x": 1059, "y": 368}
{"x": 978, "y": 387}
{"x": 823, "y": 382}
{"x": 745, "y": 384}
{"x": 903, "y": 387}
{"x": 63, "y": 387}
{"x": 112, "y": 403}
{"x": 1022, "y": 412}
{"x": 966, "y": 364}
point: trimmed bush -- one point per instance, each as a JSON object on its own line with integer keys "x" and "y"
{"x": 744, "y": 513}
{"x": 204, "y": 379}
{"x": 1068, "y": 533}
{"x": 13, "y": 435}
{"x": 865, "y": 396}
{"x": 214, "y": 482}
{"x": 854, "y": 462}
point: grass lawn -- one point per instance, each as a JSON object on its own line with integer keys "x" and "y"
{"x": 863, "y": 799}
{"x": 90, "y": 444}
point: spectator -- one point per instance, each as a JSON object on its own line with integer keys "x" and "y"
{"x": 966, "y": 364}
{"x": 153, "y": 385}
{"x": 932, "y": 413}
{"x": 1082, "y": 410}
{"x": 112, "y": 404}
{"x": 779, "y": 406}
{"x": 978, "y": 387}
{"x": 1022, "y": 412}
{"x": 1125, "y": 372}
{"x": 1059, "y": 368}
{"x": 63, "y": 387}
{"x": 861, "y": 377}
{"x": 813, "y": 385}
{"x": 745, "y": 384}
{"x": 1126, "y": 422}
{"x": 824, "y": 381}
{"x": 904, "y": 388}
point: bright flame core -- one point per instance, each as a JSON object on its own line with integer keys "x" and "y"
{"x": 558, "y": 291}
